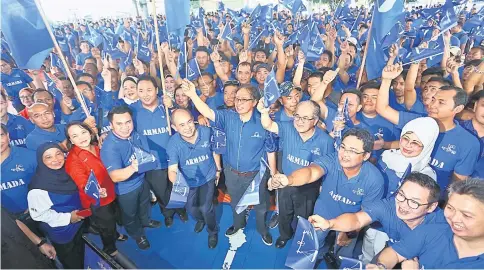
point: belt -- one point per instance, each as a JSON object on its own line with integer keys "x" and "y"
{"x": 244, "y": 174}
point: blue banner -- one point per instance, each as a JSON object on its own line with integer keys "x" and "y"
{"x": 179, "y": 192}
{"x": 304, "y": 248}
{"x": 251, "y": 194}
{"x": 92, "y": 188}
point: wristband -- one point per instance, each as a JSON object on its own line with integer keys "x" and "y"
{"x": 42, "y": 241}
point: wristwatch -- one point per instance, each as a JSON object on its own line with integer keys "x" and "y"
{"x": 42, "y": 241}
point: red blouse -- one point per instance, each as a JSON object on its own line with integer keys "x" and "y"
{"x": 79, "y": 164}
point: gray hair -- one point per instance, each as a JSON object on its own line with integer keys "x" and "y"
{"x": 254, "y": 92}
{"x": 316, "y": 109}
{"x": 473, "y": 187}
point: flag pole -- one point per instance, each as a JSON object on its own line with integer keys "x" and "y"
{"x": 63, "y": 59}
{"x": 362, "y": 67}
{"x": 160, "y": 61}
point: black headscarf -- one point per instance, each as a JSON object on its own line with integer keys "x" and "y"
{"x": 45, "y": 178}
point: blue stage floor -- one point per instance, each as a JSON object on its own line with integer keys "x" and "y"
{"x": 180, "y": 247}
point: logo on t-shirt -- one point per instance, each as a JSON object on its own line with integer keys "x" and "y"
{"x": 256, "y": 135}
{"x": 205, "y": 144}
{"x": 18, "y": 168}
{"x": 19, "y": 127}
{"x": 449, "y": 149}
{"x": 359, "y": 192}
{"x": 316, "y": 151}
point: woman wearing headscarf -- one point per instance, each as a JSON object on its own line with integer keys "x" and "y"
{"x": 53, "y": 200}
{"x": 84, "y": 157}
{"x": 127, "y": 91}
{"x": 415, "y": 147}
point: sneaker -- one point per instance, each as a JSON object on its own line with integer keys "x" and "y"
{"x": 274, "y": 221}
{"x": 199, "y": 226}
{"x": 143, "y": 243}
{"x": 267, "y": 239}
{"x": 154, "y": 224}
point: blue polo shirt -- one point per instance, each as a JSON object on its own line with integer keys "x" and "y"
{"x": 17, "y": 169}
{"x": 18, "y": 129}
{"x": 81, "y": 58}
{"x": 297, "y": 153}
{"x": 14, "y": 82}
{"x": 245, "y": 141}
{"x": 479, "y": 170}
{"x": 434, "y": 246}
{"x": 379, "y": 126}
{"x": 195, "y": 161}
{"x": 456, "y": 150}
{"x": 153, "y": 126}
{"x": 39, "y": 136}
{"x": 341, "y": 195}
{"x": 215, "y": 101}
{"x": 281, "y": 116}
{"x": 385, "y": 212}
{"x": 118, "y": 153}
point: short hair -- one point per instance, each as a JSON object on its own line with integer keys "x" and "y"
{"x": 316, "y": 108}
{"x": 202, "y": 49}
{"x": 28, "y": 89}
{"x": 147, "y": 78}
{"x": 84, "y": 126}
{"x": 370, "y": 85}
{"x": 244, "y": 64}
{"x": 441, "y": 80}
{"x": 362, "y": 135}
{"x": 460, "y": 97}
{"x": 83, "y": 41}
{"x": 352, "y": 91}
{"x": 41, "y": 90}
{"x": 317, "y": 74}
{"x": 90, "y": 58}
{"x": 473, "y": 187}
{"x": 206, "y": 74}
{"x": 259, "y": 49}
{"x": 174, "y": 112}
{"x": 119, "y": 110}
{"x": 84, "y": 74}
{"x": 254, "y": 92}
{"x": 84, "y": 83}
{"x": 329, "y": 54}
{"x": 403, "y": 74}
{"x": 426, "y": 182}
{"x": 433, "y": 71}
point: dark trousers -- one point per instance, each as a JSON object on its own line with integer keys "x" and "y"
{"x": 135, "y": 210}
{"x": 105, "y": 219}
{"x": 293, "y": 202}
{"x": 161, "y": 186}
{"x": 236, "y": 186}
{"x": 71, "y": 254}
{"x": 200, "y": 205}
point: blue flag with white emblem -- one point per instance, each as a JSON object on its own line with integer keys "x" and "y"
{"x": 218, "y": 141}
{"x": 304, "y": 248}
{"x": 227, "y": 32}
{"x": 376, "y": 59}
{"x": 95, "y": 38}
{"x": 386, "y": 15}
{"x": 92, "y": 188}
{"x": 435, "y": 48}
{"x": 55, "y": 61}
{"x": 25, "y": 33}
{"x": 126, "y": 60}
{"x": 251, "y": 194}
{"x": 193, "y": 70}
{"x": 271, "y": 90}
{"x": 51, "y": 87}
{"x": 350, "y": 263}
{"x": 179, "y": 192}
{"x": 292, "y": 5}
{"x": 143, "y": 53}
{"x": 448, "y": 19}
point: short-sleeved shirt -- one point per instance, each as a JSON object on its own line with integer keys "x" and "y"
{"x": 14, "y": 82}
{"x": 39, "y": 136}
{"x": 479, "y": 169}
{"x": 18, "y": 129}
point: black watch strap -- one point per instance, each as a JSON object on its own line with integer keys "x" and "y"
{"x": 42, "y": 241}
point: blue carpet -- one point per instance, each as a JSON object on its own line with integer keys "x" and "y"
{"x": 180, "y": 247}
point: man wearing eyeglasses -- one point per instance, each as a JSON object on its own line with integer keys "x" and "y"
{"x": 350, "y": 181}
{"x": 415, "y": 203}
{"x": 17, "y": 126}
{"x": 302, "y": 143}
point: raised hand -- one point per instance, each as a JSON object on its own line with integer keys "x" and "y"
{"x": 392, "y": 71}
{"x": 330, "y": 75}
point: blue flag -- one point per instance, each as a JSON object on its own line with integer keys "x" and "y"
{"x": 348, "y": 122}
{"x": 182, "y": 57}
{"x": 193, "y": 70}
{"x": 407, "y": 172}
{"x": 55, "y": 61}
{"x": 126, "y": 60}
{"x": 304, "y": 248}
{"x": 448, "y": 18}
{"x": 387, "y": 13}
{"x": 143, "y": 53}
{"x": 251, "y": 194}
{"x": 51, "y": 87}
{"x": 218, "y": 141}
{"x": 350, "y": 263}
{"x": 95, "y": 38}
{"x": 271, "y": 90}
{"x": 418, "y": 54}
{"x": 255, "y": 15}
{"x": 177, "y": 16}
{"x": 316, "y": 44}
{"x": 25, "y": 33}
{"x": 376, "y": 60}
{"x": 227, "y": 32}
{"x": 220, "y": 6}
{"x": 179, "y": 192}
{"x": 92, "y": 188}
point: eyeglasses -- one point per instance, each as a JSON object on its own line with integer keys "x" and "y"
{"x": 411, "y": 203}
{"x": 412, "y": 143}
{"x": 243, "y": 100}
{"x": 350, "y": 151}
{"x": 304, "y": 119}
{"x": 231, "y": 83}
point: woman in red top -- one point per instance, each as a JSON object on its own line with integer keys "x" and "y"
{"x": 83, "y": 157}
{"x": 26, "y": 98}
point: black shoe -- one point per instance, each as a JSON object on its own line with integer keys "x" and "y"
{"x": 122, "y": 238}
{"x": 143, "y": 243}
{"x": 274, "y": 221}
{"x": 168, "y": 222}
{"x": 280, "y": 243}
{"x": 212, "y": 241}
{"x": 199, "y": 226}
{"x": 183, "y": 216}
{"x": 154, "y": 224}
{"x": 267, "y": 239}
{"x": 231, "y": 231}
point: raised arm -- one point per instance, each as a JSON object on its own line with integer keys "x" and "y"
{"x": 189, "y": 90}
{"x": 344, "y": 223}
{"x": 382, "y": 105}
{"x": 410, "y": 95}
{"x": 266, "y": 120}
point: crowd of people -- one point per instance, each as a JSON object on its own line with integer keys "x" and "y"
{"x": 393, "y": 164}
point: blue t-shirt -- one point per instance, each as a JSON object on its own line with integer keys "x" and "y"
{"x": 17, "y": 169}
{"x": 341, "y": 195}
{"x": 379, "y": 126}
{"x": 394, "y": 103}
{"x": 18, "y": 129}
{"x": 385, "y": 212}
{"x": 195, "y": 161}
{"x": 215, "y": 101}
{"x": 479, "y": 170}
{"x": 246, "y": 142}
{"x": 456, "y": 150}
{"x": 153, "y": 126}
{"x": 297, "y": 153}
{"x": 118, "y": 153}
{"x": 13, "y": 83}
{"x": 81, "y": 58}
{"x": 39, "y": 136}
{"x": 434, "y": 246}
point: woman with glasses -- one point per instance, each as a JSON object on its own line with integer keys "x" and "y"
{"x": 128, "y": 91}
{"x": 27, "y": 99}
{"x": 416, "y": 144}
